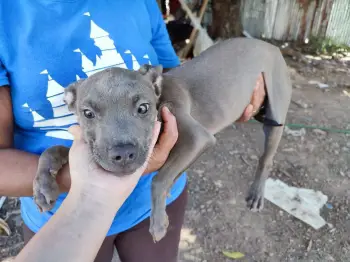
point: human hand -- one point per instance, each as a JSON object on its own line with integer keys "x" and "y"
{"x": 258, "y": 97}
{"x": 166, "y": 142}
{"x": 88, "y": 177}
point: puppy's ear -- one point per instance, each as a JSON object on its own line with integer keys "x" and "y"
{"x": 153, "y": 74}
{"x": 70, "y": 95}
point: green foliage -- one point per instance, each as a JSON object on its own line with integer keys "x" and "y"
{"x": 326, "y": 46}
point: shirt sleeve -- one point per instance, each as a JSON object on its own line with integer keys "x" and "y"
{"x": 3, "y": 76}
{"x": 160, "y": 38}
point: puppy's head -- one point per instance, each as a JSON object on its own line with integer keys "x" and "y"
{"x": 117, "y": 109}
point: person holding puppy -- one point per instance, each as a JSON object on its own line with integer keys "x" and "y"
{"x": 46, "y": 45}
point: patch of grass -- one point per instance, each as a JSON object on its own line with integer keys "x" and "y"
{"x": 326, "y": 46}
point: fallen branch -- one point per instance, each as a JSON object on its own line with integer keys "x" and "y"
{"x": 196, "y": 24}
{"x": 4, "y": 227}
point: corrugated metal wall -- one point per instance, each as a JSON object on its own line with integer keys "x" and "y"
{"x": 339, "y": 21}
{"x": 297, "y": 19}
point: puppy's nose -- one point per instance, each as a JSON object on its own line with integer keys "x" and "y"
{"x": 123, "y": 154}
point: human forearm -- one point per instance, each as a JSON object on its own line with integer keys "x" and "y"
{"x": 17, "y": 172}
{"x": 17, "y": 168}
{"x": 85, "y": 216}
{"x": 6, "y": 118}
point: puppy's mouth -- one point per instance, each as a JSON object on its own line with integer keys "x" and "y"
{"x": 109, "y": 166}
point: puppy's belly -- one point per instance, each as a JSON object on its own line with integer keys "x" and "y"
{"x": 215, "y": 121}
{"x": 215, "y": 128}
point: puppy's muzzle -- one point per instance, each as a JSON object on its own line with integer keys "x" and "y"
{"x": 123, "y": 155}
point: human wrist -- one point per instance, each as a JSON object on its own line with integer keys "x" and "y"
{"x": 96, "y": 196}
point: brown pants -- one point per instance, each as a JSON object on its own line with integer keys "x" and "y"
{"x": 136, "y": 244}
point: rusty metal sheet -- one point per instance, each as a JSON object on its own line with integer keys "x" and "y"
{"x": 297, "y": 19}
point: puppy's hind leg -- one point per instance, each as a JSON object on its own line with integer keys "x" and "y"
{"x": 279, "y": 92}
{"x": 255, "y": 198}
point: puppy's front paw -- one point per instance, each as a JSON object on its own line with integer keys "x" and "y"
{"x": 45, "y": 190}
{"x": 255, "y": 198}
{"x": 158, "y": 226}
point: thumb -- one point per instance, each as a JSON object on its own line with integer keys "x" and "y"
{"x": 155, "y": 136}
{"x": 77, "y": 134}
{"x": 75, "y": 130}
{"x": 156, "y": 131}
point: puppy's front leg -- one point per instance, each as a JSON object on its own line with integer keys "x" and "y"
{"x": 45, "y": 187}
{"x": 192, "y": 142}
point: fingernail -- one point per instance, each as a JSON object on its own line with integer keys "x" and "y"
{"x": 166, "y": 109}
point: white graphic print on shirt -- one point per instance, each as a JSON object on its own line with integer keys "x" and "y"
{"x": 62, "y": 117}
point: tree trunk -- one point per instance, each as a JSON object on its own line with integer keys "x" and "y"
{"x": 226, "y": 18}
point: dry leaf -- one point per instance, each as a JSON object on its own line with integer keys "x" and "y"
{"x": 5, "y": 227}
{"x": 234, "y": 255}
{"x": 346, "y": 93}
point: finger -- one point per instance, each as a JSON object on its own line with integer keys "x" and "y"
{"x": 170, "y": 134}
{"x": 258, "y": 94}
{"x": 75, "y": 130}
{"x": 169, "y": 120}
{"x": 247, "y": 114}
{"x": 77, "y": 134}
{"x": 156, "y": 131}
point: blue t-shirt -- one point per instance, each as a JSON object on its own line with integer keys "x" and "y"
{"x": 47, "y": 44}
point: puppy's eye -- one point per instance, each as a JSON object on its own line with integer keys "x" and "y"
{"x": 143, "y": 109}
{"x": 88, "y": 114}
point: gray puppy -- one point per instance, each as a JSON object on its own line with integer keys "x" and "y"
{"x": 116, "y": 109}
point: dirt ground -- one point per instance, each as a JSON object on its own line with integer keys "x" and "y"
{"x": 217, "y": 218}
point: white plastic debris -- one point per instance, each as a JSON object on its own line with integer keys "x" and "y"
{"x": 303, "y": 203}
{"x": 246, "y": 34}
{"x": 294, "y": 132}
{"x": 319, "y": 84}
{"x": 203, "y": 41}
